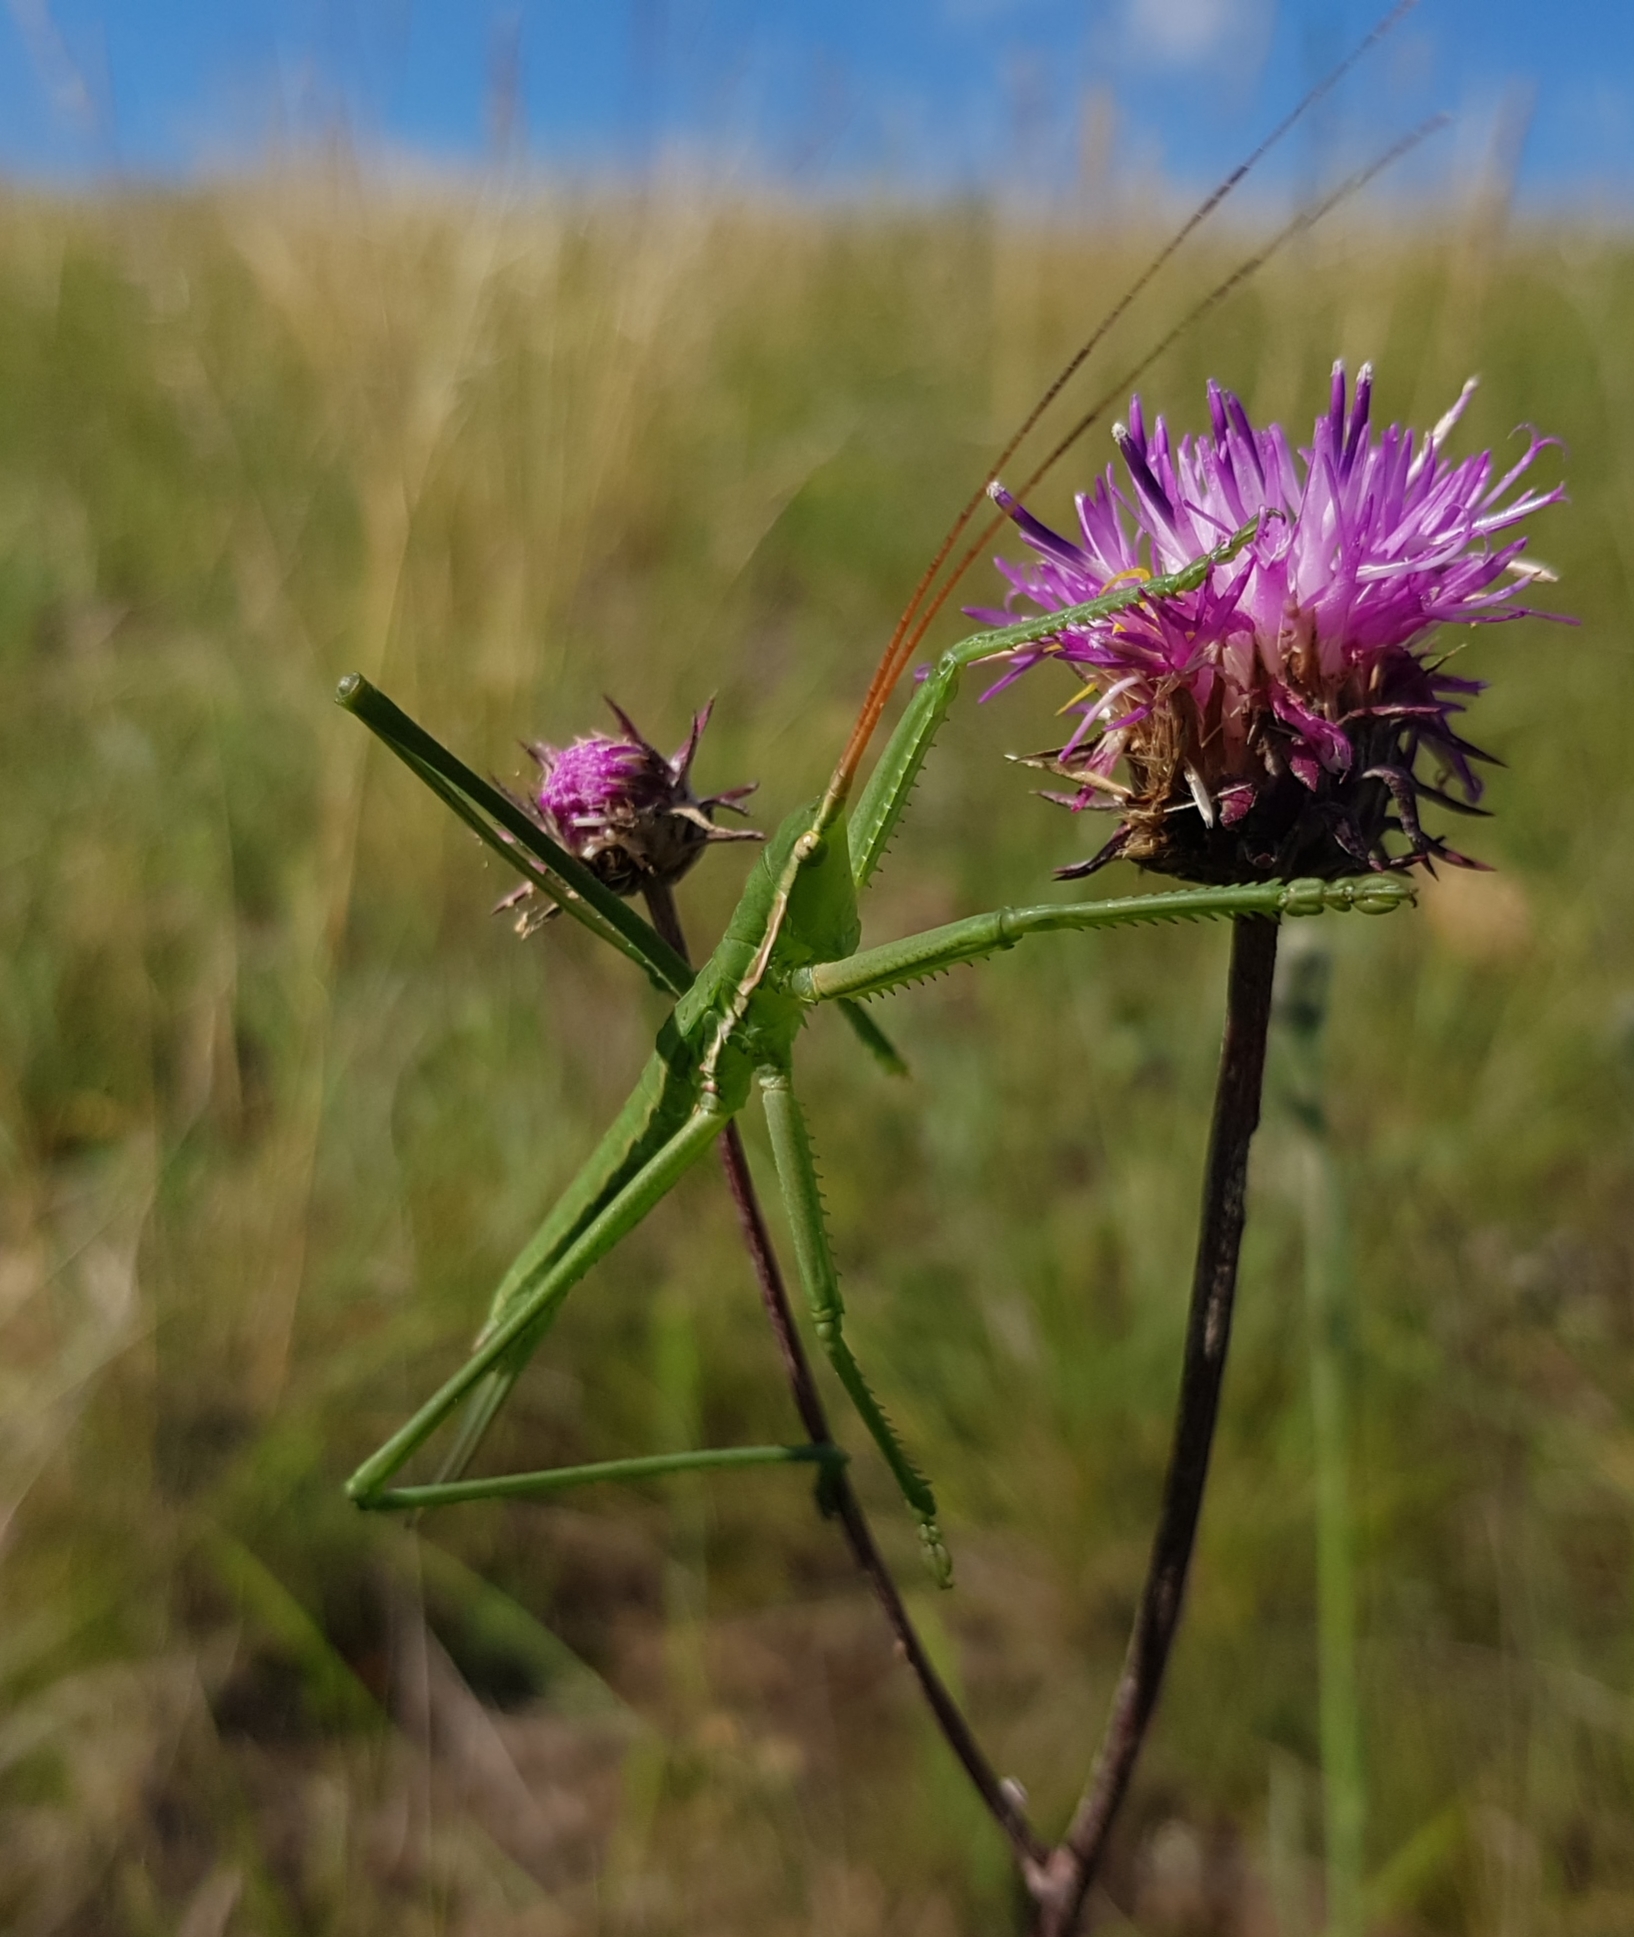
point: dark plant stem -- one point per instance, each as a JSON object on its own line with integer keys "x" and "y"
{"x": 1302, "y": 1012}
{"x": 1061, "y": 1885}
{"x": 838, "y": 1494}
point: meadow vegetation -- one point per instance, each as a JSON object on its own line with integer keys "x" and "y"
{"x": 279, "y": 1100}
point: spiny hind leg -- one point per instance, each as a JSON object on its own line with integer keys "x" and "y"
{"x": 558, "y": 1479}
{"x": 537, "y": 1297}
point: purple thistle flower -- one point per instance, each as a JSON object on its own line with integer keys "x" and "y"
{"x": 1270, "y": 723}
{"x": 626, "y": 811}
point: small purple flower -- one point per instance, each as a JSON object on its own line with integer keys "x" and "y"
{"x": 1270, "y": 723}
{"x": 625, "y": 811}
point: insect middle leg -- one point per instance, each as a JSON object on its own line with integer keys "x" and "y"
{"x": 797, "y": 1175}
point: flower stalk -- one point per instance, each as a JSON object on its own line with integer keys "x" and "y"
{"x": 1063, "y": 1884}
{"x": 1302, "y": 1010}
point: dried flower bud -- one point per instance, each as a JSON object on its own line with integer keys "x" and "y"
{"x": 625, "y": 811}
{"x": 1270, "y": 724}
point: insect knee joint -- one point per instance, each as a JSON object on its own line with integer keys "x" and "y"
{"x": 1305, "y": 897}
{"x": 937, "y": 1557}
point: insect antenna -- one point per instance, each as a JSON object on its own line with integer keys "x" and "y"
{"x": 916, "y": 616}
{"x": 1307, "y": 218}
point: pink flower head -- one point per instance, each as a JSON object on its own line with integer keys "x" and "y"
{"x": 625, "y": 810}
{"x": 1270, "y": 723}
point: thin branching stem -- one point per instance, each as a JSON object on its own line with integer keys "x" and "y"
{"x": 1061, "y": 1885}
{"x": 838, "y": 1494}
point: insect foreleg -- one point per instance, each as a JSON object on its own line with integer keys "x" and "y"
{"x": 797, "y": 1174}
{"x": 534, "y": 1301}
{"x": 890, "y": 786}
{"x": 873, "y": 971}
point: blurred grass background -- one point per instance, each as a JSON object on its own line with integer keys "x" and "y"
{"x": 279, "y": 1100}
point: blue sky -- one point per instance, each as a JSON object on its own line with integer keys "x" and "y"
{"x": 1042, "y": 97}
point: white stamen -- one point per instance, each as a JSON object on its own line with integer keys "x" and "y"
{"x": 1199, "y": 793}
{"x": 1437, "y": 437}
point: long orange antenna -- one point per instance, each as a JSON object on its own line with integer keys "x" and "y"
{"x": 907, "y": 634}
{"x": 1306, "y": 219}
